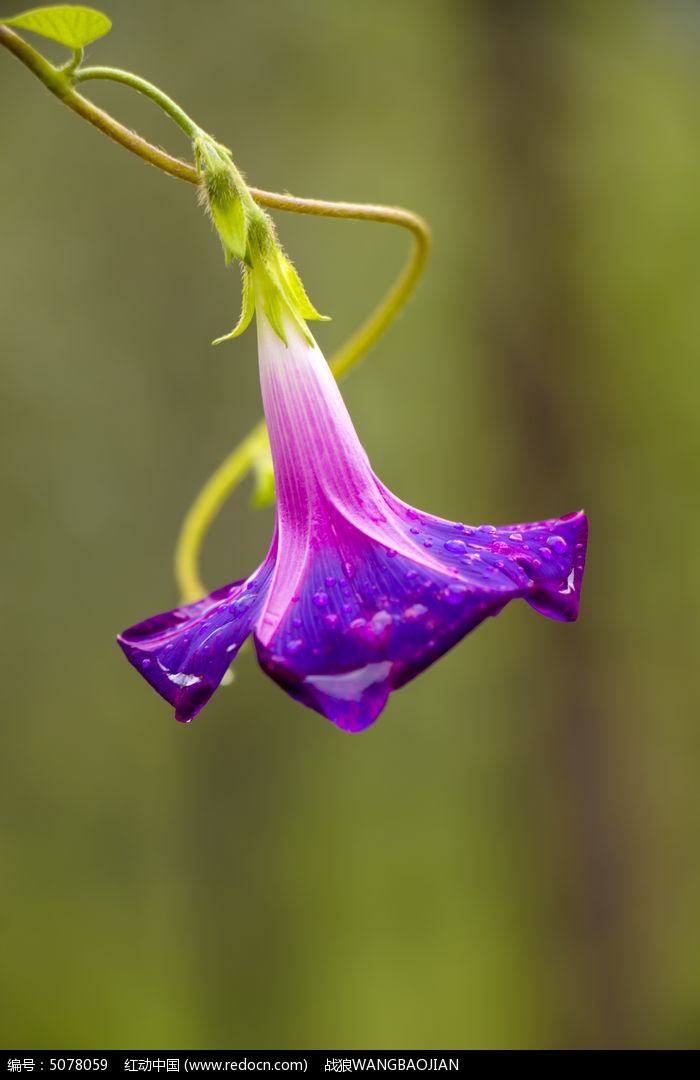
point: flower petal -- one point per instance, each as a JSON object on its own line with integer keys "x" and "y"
{"x": 185, "y": 653}
{"x": 366, "y": 618}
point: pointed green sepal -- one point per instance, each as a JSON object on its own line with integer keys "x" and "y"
{"x": 273, "y": 306}
{"x": 68, "y": 24}
{"x": 278, "y": 285}
{"x": 225, "y": 196}
{"x": 247, "y": 308}
{"x": 229, "y": 218}
{"x": 296, "y": 292}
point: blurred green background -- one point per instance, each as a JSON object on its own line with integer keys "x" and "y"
{"x": 509, "y": 858}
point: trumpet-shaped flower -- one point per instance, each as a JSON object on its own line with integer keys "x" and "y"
{"x": 358, "y": 592}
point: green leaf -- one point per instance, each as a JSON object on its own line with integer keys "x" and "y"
{"x": 68, "y": 24}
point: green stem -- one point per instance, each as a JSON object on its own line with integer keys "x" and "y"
{"x": 146, "y": 88}
{"x": 60, "y": 83}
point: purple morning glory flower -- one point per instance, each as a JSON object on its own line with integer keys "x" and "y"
{"x": 359, "y": 592}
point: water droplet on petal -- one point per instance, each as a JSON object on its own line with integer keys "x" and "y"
{"x": 374, "y": 632}
{"x": 516, "y": 536}
{"x": 349, "y": 569}
{"x": 457, "y": 547}
{"x": 381, "y": 625}
{"x": 415, "y": 532}
{"x": 145, "y": 663}
{"x": 568, "y": 585}
{"x": 410, "y": 575}
{"x": 391, "y": 554}
{"x": 330, "y": 582}
{"x": 297, "y": 623}
{"x": 320, "y": 599}
{"x": 454, "y": 594}
{"x": 427, "y": 543}
{"x": 500, "y": 548}
{"x": 332, "y": 619}
{"x": 294, "y": 646}
{"x": 181, "y": 679}
{"x": 557, "y": 543}
{"x": 415, "y": 613}
{"x": 545, "y": 553}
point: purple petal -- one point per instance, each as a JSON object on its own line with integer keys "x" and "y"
{"x": 366, "y": 619}
{"x": 184, "y": 653}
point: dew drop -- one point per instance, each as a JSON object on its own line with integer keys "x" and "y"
{"x": 330, "y": 582}
{"x": 292, "y": 647}
{"x": 320, "y": 599}
{"x": 391, "y": 554}
{"x": 180, "y": 678}
{"x": 374, "y": 632}
{"x": 518, "y": 537}
{"x": 457, "y": 547}
{"x": 297, "y": 623}
{"x": 415, "y": 532}
{"x": 568, "y": 585}
{"x": 145, "y": 663}
{"x": 545, "y": 553}
{"x": 332, "y": 619}
{"x": 349, "y": 569}
{"x": 454, "y": 594}
{"x": 410, "y": 575}
{"x": 415, "y": 613}
{"x": 557, "y": 543}
{"x": 427, "y": 543}
{"x": 500, "y": 548}
{"x": 347, "y": 608}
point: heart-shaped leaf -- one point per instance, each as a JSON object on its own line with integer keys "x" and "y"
{"x": 68, "y": 24}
